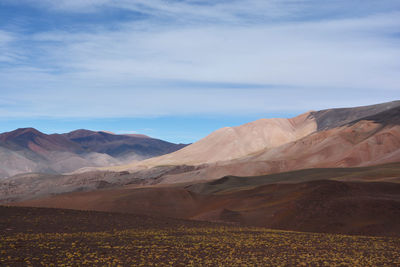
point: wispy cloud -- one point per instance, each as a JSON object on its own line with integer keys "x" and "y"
{"x": 7, "y": 53}
{"x": 211, "y": 57}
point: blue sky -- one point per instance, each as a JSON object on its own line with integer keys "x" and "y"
{"x": 178, "y": 70}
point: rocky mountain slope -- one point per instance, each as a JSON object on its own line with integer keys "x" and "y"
{"x": 329, "y": 138}
{"x": 29, "y": 150}
{"x": 234, "y": 142}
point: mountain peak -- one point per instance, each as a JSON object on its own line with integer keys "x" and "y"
{"x": 20, "y": 132}
{"x": 27, "y": 130}
{"x": 331, "y": 118}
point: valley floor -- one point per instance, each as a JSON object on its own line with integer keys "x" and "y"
{"x": 41, "y": 236}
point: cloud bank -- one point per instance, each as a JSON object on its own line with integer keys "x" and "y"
{"x": 104, "y": 58}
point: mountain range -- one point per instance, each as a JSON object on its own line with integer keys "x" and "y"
{"x": 28, "y": 150}
{"x": 334, "y": 170}
{"x": 345, "y": 137}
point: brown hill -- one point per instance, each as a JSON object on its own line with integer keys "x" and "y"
{"x": 330, "y": 138}
{"x": 367, "y": 208}
{"x": 364, "y": 143}
{"x": 233, "y": 142}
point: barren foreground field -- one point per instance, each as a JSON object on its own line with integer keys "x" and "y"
{"x": 36, "y": 236}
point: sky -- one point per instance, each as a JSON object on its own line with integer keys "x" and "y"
{"x": 180, "y": 69}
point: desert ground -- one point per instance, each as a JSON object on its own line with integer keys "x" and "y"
{"x": 58, "y": 237}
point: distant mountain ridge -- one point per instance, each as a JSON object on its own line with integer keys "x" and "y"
{"x": 30, "y": 138}
{"x": 29, "y": 150}
{"x": 121, "y": 145}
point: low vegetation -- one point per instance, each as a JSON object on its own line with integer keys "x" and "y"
{"x": 146, "y": 241}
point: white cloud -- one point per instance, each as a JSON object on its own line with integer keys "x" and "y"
{"x": 6, "y": 40}
{"x": 200, "y": 11}
{"x": 130, "y": 70}
{"x": 5, "y": 37}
